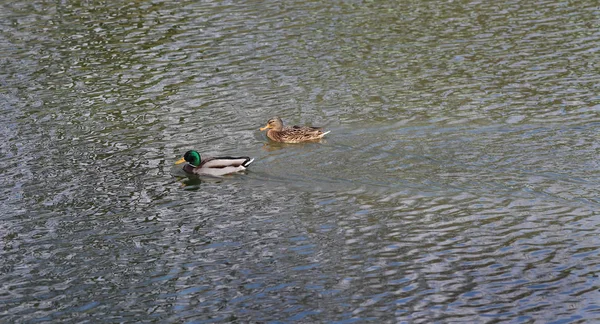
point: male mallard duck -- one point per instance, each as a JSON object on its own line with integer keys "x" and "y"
{"x": 213, "y": 166}
{"x": 294, "y": 134}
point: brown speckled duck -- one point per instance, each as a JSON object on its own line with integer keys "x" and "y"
{"x": 294, "y": 134}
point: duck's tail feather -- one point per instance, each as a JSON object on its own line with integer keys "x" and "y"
{"x": 247, "y": 162}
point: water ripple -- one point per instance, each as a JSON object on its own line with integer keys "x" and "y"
{"x": 459, "y": 183}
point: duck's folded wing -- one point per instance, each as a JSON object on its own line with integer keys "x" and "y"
{"x": 227, "y": 161}
{"x": 305, "y": 128}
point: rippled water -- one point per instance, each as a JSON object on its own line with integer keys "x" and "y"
{"x": 459, "y": 182}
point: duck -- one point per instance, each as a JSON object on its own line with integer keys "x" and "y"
{"x": 294, "y": 134}
{"x": 213, "y": 166}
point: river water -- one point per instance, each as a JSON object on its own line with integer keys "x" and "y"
{"x": 460, "y": 181}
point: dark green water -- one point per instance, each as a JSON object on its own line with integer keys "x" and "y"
{"x": 460, "y": 181}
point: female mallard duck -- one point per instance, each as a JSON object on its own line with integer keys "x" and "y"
{"x": 294, "y": 134}
{"x": 213, "y": 166}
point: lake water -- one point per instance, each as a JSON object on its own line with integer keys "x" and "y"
{"x": 460, "y": 181}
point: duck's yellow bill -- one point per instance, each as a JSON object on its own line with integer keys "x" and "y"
{"x": 263, "y": 128}
{"x": 180, "y": 161}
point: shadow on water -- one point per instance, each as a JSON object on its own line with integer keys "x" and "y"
{"x": 194, "y": 182}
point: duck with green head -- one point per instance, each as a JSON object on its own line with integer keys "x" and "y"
{"x": 213, "y": 166}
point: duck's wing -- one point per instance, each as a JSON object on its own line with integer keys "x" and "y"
{"x": 296, "y": 134}
{"x": 305, "y": 128}
{"x": 226, "y": 161}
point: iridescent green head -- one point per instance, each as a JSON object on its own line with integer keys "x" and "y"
{"x": 192, "y": 157}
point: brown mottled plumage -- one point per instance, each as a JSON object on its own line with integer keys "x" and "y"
{"x": 294, "y": 134}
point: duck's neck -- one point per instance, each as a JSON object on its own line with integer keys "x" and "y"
{"x": 275, "y": 130}
{"x": 274, "y": 135}
{"x": 188, "y": 168}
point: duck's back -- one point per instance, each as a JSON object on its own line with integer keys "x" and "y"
{"x": 296, "y": 134}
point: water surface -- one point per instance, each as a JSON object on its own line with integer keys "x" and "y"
{"x": 459, "y": 182}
